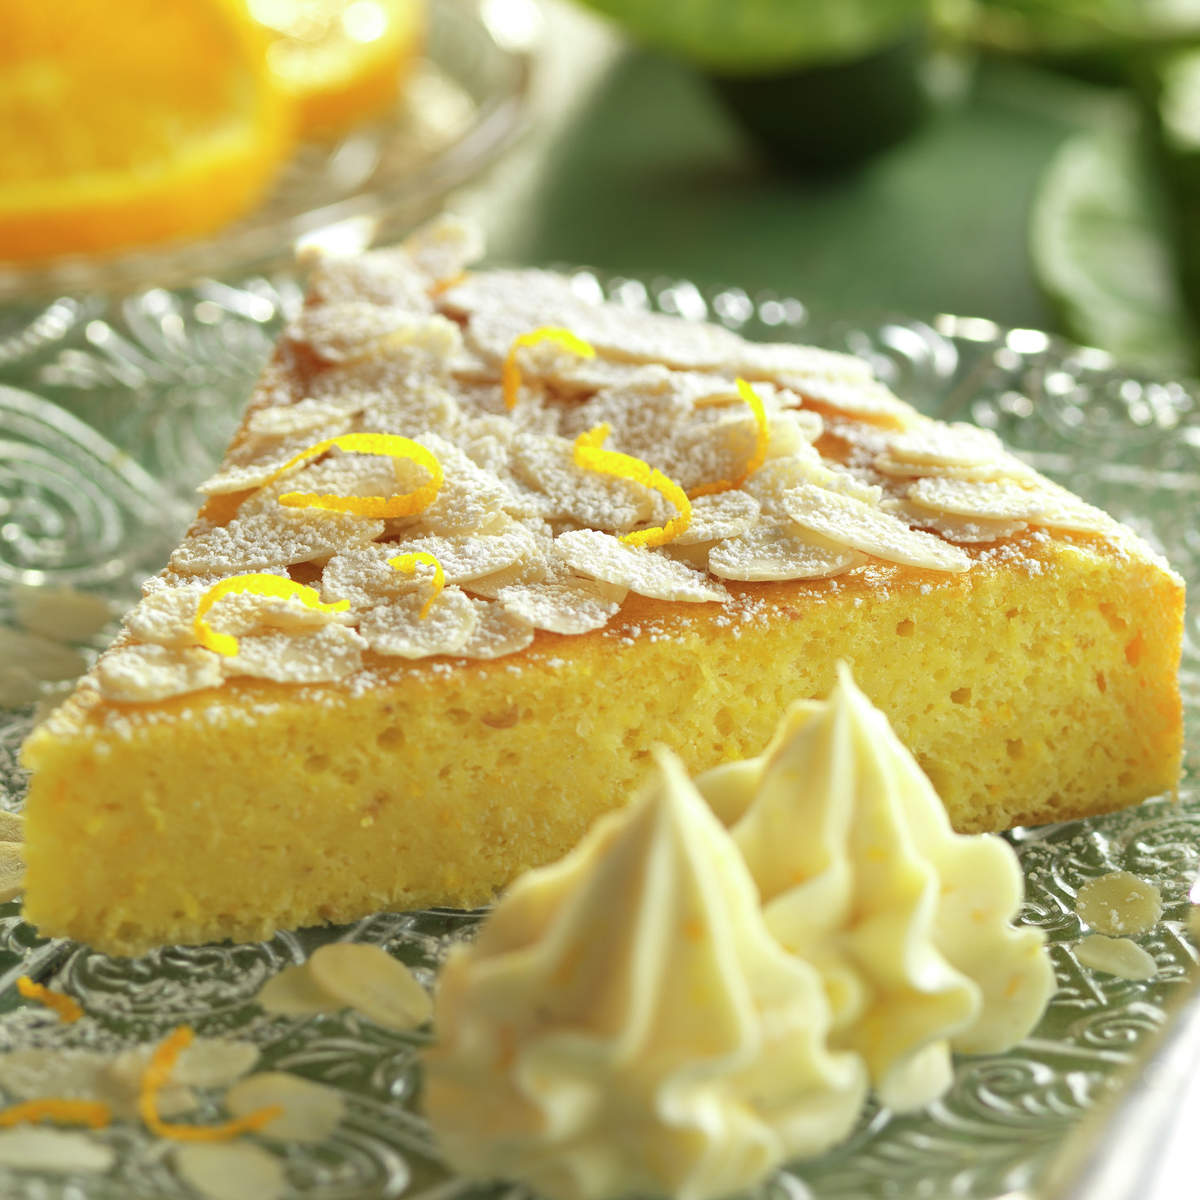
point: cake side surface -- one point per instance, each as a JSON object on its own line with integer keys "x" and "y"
{"x": 431, "y": 785}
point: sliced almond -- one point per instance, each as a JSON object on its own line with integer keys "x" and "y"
{"x": 58, "y": 1151}
{"x": 12, "y": 826}
{"x": 859, "y": 526}
{"x": 12, "y": 869}
{"x": 772, "y": 551}
{"x": 497, "y": 633}
{"x": 294, "y": 993}
{"x": 369, "y": 980}
{"x": 962, "y": 530}
{"x": 323, "y": 656}
{"x": 43, "y": 657}
{"x": 311, "y": 1111}
{"x": 602, "y": 556}
{"x": 722, "y": 515}
{"x": 567, "y": 606}
{"x": 144, "y": 673}
{"x": 400, "y": 631}
{"x": 949, "y": 444}
{"x": 1007, "y": 499}
{"x": 230, "y": 1170}
{"x": 60, "y": 613}
{"x": 1115, "y": 956}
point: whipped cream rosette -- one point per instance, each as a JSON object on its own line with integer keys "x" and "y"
{"x": 861, "y": 877}
{"x": 626, "y": 1023}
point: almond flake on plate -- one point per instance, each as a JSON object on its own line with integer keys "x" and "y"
{"x": 64, "y": 614}
{"x": 850, "y": 522}
{"x": 293, "y": 992}
{"x": 142, "y": 673}
{"x": 369, "y": 980}
{"x": 602, "y": 556}
{"x": 311, "y": 1111}
{"x": 12, "y": 870}
{"x": 59, "y": 1151}
{"x": 230, "y": 1170}
{"x": 399, "y": 631}
{"x": 1116, "y": 956}
{"x": 772, "y": 551}
{"x": 42, "y": 657}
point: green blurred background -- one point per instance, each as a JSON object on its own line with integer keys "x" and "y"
{"x": 637, "y": 165}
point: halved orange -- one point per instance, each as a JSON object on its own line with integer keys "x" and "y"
{"x": 340, "y": 61}
{"x": 131, "y": 123}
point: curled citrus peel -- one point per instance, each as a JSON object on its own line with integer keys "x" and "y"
{"x": 408, "y": 563}
{"x": 590, "y": 455}
{"x": 158, "y": 1071}
{"x": 402, "y": 504}
{"x": 762, "y": 435}
{"x": 262, "y": 585}
{"x": 510, "y": 374}
{"x": 95, "y": 1114}
{"x": 67, "y": 1007}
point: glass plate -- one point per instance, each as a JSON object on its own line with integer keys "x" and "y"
{"x": 466, "y": 98}
{"x": 164, "y": 375}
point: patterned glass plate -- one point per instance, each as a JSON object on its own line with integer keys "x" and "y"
{"x": 465, "y": 99}
{"x": 163, "y": 376}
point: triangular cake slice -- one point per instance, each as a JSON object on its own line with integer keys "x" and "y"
{"x": 480, "y": 544}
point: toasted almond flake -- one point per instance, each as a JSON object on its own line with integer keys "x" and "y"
{"x": 274, "y": 597}
{"x": 59, "y": 1151}
{"x": 510, "y": 373}
{"x": 399, "y": 630}
{"x": 311, "y": 1111}
{"x": 1115, "y": 956}
{"x": 1007, "y": 467}
{"x": 348, "y": 329}
{"x": 771, "y": 551}
{"x": 865, "y": 398}
{"x": 762, "y": 437}
{"x": 421, "y": 564}
{"x": 66, "y": 1007}
{"x": 589, "y": 453}
{"x": 323, "y": 656}
{"x": 604, "y": 557}
{"x": 548, "y": 465}
{"x": 139, "y": 674}
{"x": 1119, "y": 903}
{"x": 722, "y": 515}
{"x": 63, "y": 614}
{"x": 231, "y": 1171}
{"x": 497, "y": 632}
{"x": 40, "y": 656}
{"x": 263, "y": 541}
{"x": 963, "y": 530}
{"x": 294, "y": 993}
{"x": 367, "y": 979}
{"x": 393, "y": 504}
{"x": 12, "y": 870}
{"x": 12, "y": 826}
{"x": 567, "y": 606}
{"x": 307, "y": 416}
{"x": 860, "y": 526}
{"x": 1007, "y": 499}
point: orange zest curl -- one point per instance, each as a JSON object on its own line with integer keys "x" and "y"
{"x": 93, "y": 1113}
{"x": 762, "y": 436}
{"x": 67, "y": 1007}
{"x": 409, "y": 563}
{"x": 158, "y": 1071}
{"x": 262, "y": 585}
{"x": 590, "y": 455}
{"x": 401, "y": 504}
{"x": 510, "y": 374}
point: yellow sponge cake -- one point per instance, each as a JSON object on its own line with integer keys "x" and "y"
{"x": 479, "y": 545}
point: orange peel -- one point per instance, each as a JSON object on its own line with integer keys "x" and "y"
{"x": 409, "y": 563}
{"x": 68, "y": 1008}
{"x": 95, "y": 1114}
{"x": 262, "y": 585}
{"x": 158, "y": 1071}
{"x": 391, "y": 445}
{"x": 762, "y": 437}
{"x": 510, "y": 373}
{"x": 590, "y": 455}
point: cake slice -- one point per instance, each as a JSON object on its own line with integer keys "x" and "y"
{"x": 479, "y": 544}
